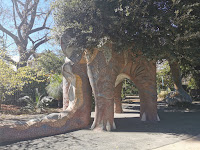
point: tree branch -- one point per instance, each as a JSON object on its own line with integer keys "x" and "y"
{"x": 37, "y": 29}
{"x": 20, "y": 2}
{"x": 14, "y": 15}
{"x": 17, "y": 9}
{"x": 32, "y": 51}
{"x": 31, "y": 40}
{"x": 33, "y": 14}
{"x": 40, "y": 43}
{"x": 47, "y": 15}
{"x": 45, "y": 36}
{"x": 43, "y": 26}
{"x": 15, "y": 38}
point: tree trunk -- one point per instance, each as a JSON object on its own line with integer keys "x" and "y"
{"x": 24, "y": 55}
{"x": 180, "y": 95}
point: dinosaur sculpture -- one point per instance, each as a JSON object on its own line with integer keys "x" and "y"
{"x": 100, "y": 70}
{"x": 106, "y": 69}
{"x": 117, "y": 97}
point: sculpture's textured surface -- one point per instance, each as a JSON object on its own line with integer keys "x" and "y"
{"x": 118, "y": 99}
{"x": 102, "y": 70}
{"x": 106, "y": 70}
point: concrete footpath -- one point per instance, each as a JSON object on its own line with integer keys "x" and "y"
{"x": 189, "y": 144}
{"x": 175, "y": 131}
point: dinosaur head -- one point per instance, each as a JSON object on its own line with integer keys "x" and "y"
{"x": 71, "y": 50}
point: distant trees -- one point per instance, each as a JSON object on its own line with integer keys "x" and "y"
{"x": 52, "y": 63}
{"x": 164, "y": 77}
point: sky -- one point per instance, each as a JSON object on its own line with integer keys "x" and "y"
{"x": 8, "y": 23}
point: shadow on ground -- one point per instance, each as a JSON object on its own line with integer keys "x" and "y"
{"x": 174, "y": 119}
{"x": 175, "y": 125}
{"x": 171, "y": 122}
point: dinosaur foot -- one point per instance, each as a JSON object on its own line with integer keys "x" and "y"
{"x": 106, "y": 125}
{"x": 149, "y": 117}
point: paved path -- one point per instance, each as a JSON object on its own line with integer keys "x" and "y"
{"x": 189, "y": 144}
{"x": 177, "y": 130}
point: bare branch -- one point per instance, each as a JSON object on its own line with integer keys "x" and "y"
{"x": 38, "y": 29}
{"x": 17, "y": 9}
{"x": 43, "y": 26}
{"x": 40, "y": 43}
{"x": 32, "y": 51}
{"x": 47, "y": 15}
{"x": 31, "y": 8}
{"x": 14, "y": 17}
{"x": 15, "y": 38}
{"x": 31, "y": 40}
{"x": 20, "y": 3}
{"x": 45, "y": 36}
{"x": 10, "y": 45}
{"x": 33, "y": 14}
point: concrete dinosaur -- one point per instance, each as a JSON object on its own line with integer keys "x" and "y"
{"x": 101, "y": 71}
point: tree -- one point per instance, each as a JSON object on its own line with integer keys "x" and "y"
{"x": 25, "y": 18}
{"x": 159, "y": 29}
{"x": 52, "y": 64}
{"x": 164, "y": 77}
{"x": 54, "y": 88}
{"x": 12, "y": 81}
{"x": 50, "y": 61}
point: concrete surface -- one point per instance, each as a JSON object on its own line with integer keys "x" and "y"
{"x": 177, "y": 130}
{"x": 189, "y": 144}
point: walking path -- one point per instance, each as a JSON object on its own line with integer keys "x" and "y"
{"x": 189, "y": 144}
{"x": 177, "y": 130}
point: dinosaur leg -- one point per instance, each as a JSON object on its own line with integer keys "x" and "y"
{"x": 117, "y": 99}
{"x": 102, "y": 83}
{"x": 66, "y": 86}
{"x": 145, "y": 80}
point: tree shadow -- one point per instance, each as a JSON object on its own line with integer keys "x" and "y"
{"x": 171, "y": 122}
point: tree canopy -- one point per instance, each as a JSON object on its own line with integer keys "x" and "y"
{"x": 158, "y": 28}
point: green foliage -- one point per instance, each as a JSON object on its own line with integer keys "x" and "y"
{"x": 54, "y": 88}
{"x": 165, "y": 74}
{"x": 191, "y": 70}
{"x": 128, "y": 88}
{"x": 192, "y": 84}
{"x": 12, "y": 81}
{"x": 158, "y": 28}
{"x": 51, "y": 62}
